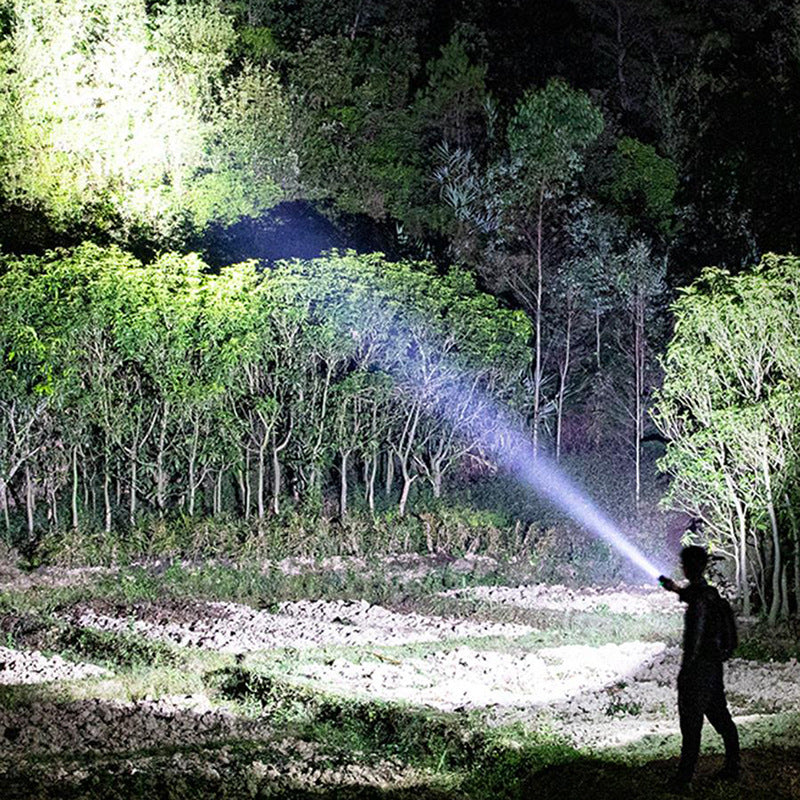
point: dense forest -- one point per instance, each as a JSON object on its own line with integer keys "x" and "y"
{"x": 249, "y": 247}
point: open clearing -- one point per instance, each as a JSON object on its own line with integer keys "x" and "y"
{"x": 395, "y": 678}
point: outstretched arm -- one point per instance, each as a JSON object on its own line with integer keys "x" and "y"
{"x": 669, "y": 584}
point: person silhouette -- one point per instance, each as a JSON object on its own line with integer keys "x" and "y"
{"x": 701, "y": 691}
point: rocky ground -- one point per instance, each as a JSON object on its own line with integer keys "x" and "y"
{"x": 234, "y": 628}
{"x": 27, "y": 667}
{"x": 69, "y": 720}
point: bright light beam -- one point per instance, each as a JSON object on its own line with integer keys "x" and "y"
{"x": 547, "y": 480}
{"x": 512, "y": 450}
{"x": 495, "y": 431}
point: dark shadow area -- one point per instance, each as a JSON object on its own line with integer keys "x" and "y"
{"x": 100, "y": 750}
{"x": 767, "y": 774}
{"x": 296, "y": 229}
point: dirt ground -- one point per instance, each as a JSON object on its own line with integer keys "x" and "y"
{"x": 603, "y": 697}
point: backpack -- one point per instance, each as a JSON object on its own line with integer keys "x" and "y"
{"x": 727, "y": 638}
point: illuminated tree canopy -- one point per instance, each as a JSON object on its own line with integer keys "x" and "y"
{"x": 134, "y": 119}
{"x": 577, "y": 160}
{"x": 208, "y": 393}
{"x": 730, "y": 406}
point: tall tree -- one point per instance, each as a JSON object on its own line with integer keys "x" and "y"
{"x": 730, "y": 405}
{"x": 121, "y": 120}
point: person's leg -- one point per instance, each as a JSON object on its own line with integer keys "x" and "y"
{"x": 720, "y": 718}
{"x": 690, "y": 711}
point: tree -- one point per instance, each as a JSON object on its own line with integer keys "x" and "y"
{"x": 643, "y": 187}
{"x": 451, "y": 106}
{"x": 356, "y": 137}
{"x": 640, "y": 282}
{"x": 121, "y": 120}
{"x": 730, "y": 405}
{"x": 547, "y": 134}
{"x": 129, "y": 390}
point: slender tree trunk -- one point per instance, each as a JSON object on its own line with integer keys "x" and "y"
{"x": 373, "y": 471}
{"x": 562, "y": 387}
{"x": 796, "y": 542}
{"x": 407, "y": 481}
{"x": 276, "y": 482}
{"x": 639, "y": 347}
{"x": 276, "y": 477}
{"x": 74, "y": 494}
{"x": 743, "y": 586}
{"x": 436, "y": 478}
{"x": 218, "y": 492}
{"x": 4, "y": 504}
{"x": 389, "y": 474}
{"x": 784, "y": 610}
{"x": 404, "y": 455}
{"x": 53, "y": 499}
{"x": 537, "y": 364}
{"x": 343, "y": 485}
{"x": 759, "y": 572}
{"x": 30, "y": 500}
{"x": 776, "y": 604}
{"x": 313, "y": 490}
{"x": 193, "y": 466}
{"x": 797, "y": 572}
{"x": 732, "y": 535}
{"x": 106, "y": 497}
{"x": 93, "y": 497}
{"x": 134, "y": 485}
{"x": 161, "y": 480}
{"x": 247, "y": 489}
{"x": 260, "y": 480}
{"x": 88, "y": 492}
{"x": 240, "y": 486}
{"x": 85, "y": 484}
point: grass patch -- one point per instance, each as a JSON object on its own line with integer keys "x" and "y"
{"x": 117, "y": 650}
{"x": 763, "y": 642}
{"x": 245, "y": 583}
{"x": 50, "y": 635}
{"x": 471, "y": 759}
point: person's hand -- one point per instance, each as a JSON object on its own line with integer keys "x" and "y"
{"x": 668, "y": 583}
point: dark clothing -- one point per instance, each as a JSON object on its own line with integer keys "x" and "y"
{"x": 702, "y": 623}
{"x": 701, "y": 693}
{"x": 700, "y": 687}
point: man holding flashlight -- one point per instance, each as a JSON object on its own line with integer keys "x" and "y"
{"x": 708, "y": 639}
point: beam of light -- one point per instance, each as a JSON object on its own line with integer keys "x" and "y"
{"x": 447, "y": 391}
{"x": 547, "y": 480}
{"x": 495, "y": 432}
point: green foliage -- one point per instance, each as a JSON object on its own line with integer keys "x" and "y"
{"x": 730, "y": 406}
{"x": 762, "y": 642}
{"x": 487, "y": 762}
{"x": 644, "y": 184}
{"x": 367, "y": 135}
{"x": 123, "y": 650}
{"x": 549, "y": 129}
{"x": 451, "y": 107}
{"x": 116, "y": 118}
{"x": 357, "y": 138}
{"x": 197, "y": 393}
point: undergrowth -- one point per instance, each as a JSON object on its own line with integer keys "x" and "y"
{"x": 479, "y": 761}
{"x": 551, "y": 549}
{"x": 764, "y": 642}
{"x": 243, "y": 583}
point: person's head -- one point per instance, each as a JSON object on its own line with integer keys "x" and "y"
{"x": 694, "y": 560}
